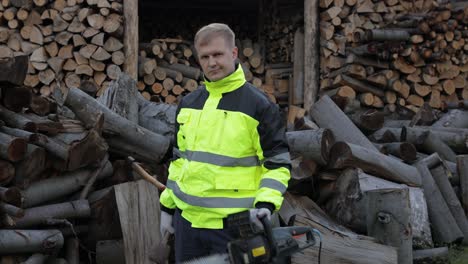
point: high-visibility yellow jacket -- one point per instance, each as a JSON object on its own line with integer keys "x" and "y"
{"x": 230, "y": 153}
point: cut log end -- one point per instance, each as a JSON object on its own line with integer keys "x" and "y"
{"x": 339, "y": 152}
{"x": 328, "y": 139}
{"x": 17, "y": 149}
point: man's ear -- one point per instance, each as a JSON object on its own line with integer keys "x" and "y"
{"x": 235, "y": 52}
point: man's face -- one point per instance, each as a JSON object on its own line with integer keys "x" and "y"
{"x": 216, "y": 58}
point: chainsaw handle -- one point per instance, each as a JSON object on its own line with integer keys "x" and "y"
{"x": 269, "y": 233}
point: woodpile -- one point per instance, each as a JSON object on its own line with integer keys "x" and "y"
{"x": 398, "y": 177}
{"x": 168, "y": 70}
{"x": 60, "y": 158}
{"x": 69, "y": 42}
{"x": 394, "y": 52}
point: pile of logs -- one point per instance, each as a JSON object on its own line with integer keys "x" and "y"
{"x": 59, "y": 162}
{"x": 402, "y": 179}
{"x": 68, "y": 41}
{"x": 394, "y": 52}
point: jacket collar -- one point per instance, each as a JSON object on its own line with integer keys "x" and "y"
{"x": 228, "y": 83}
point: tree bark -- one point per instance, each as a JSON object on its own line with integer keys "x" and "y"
{"x": 415, "y": 135}
{"x": 120, "y": 97}
{"x": 346, "y": 155}
{"x": 30, "y": 241}
{"x": 454, "y": 118}
{"x": 85, "y": 107}
{"x": 388, "y": 220}
{"x": 348, "y": 205}
{"x": 451, "y": 198}
{"x": 50, "y": 189}
{"x": 39, "y": 215}
{"x": 327, "y": 115}
{"x": 444, "y": 227}
{"x": 311, "y": 144}
{"x": 15, "y": 120}
{"x": 462, "y": 165}
{"x": 31, "y": 166}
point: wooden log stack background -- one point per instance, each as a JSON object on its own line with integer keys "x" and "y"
{"x": 69, "y": 41}
{"x": 394, "y": 52}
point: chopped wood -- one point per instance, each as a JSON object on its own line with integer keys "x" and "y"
{"x": 343, "y": 129}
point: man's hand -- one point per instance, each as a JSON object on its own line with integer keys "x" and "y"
{"x": 166, "y": 223}
{"x": 257, "y": 214}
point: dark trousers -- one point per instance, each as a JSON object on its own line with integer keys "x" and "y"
{"x": 191, "y": 243}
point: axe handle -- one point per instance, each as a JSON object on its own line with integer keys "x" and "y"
{"x": 148, "y": 177}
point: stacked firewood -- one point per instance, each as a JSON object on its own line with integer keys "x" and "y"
{"x": 54, "y": 154}
{"x": 68, "y": 41}
{"x": 168, "y": 69}
{"x": 399, "y": 177}
{"x": 394, "y": 52}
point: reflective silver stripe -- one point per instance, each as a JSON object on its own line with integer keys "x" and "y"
{"x": 220, "y": 160}
{"x": 273, "y": 184}
{"x": 282, "y": 158}
{"x": 210, "y": 202}
{"x": 176, "y": 152}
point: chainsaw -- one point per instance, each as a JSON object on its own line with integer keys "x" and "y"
{"x": 260, "y": 245}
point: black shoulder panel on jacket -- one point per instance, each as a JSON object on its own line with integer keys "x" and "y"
{"x": 247, "y": 99}
{"x": 195, "y": 99}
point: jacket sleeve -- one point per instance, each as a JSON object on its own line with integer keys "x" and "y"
{"x": 166, "y": 199}
{"x": 276, "y": 164}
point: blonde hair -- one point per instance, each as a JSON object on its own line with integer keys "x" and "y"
{"x": 207, "y": 32}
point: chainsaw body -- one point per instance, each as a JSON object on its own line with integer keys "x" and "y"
{"x": 267, "y": 245}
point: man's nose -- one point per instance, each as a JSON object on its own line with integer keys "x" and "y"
{"x": 211, "y": 61}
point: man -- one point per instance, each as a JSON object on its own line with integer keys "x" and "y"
{"x": 230, "y": 152}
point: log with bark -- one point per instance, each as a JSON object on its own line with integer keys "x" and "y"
{"x": 311, "y": 144}
{"x": 50, "y": 189}
{"x": 39, "y": 215}
{"x": 348, "y": 204}
{"x": 441, "y": 179}
{"x": 346, "y": 154}
{"x": 327, "y": 115}
{"x": 444, "y": 226}
{"x": 86, "y": 108}
{"x": 30, "y": 241}
{"x": 388, "y": 220}
{"x": 462, "y": 166}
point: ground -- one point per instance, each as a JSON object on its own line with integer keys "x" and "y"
{"x": 459, "y": 255}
